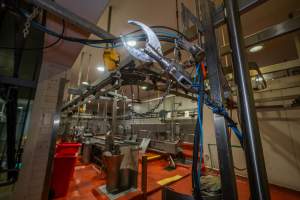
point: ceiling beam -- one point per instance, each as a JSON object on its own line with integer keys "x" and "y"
{"x": 17, "y": 82}
{"x": 282, "y": 83}
{"x": 277, "y": 95}
{"x": 268, "y": 33}
{"x": 60, "y": 11}
{"x": 277, "y": 67}
{"x": 272, "y": 68}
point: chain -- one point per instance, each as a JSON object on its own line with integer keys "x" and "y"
{"x": 27, "y": 24}
{"x": 145, "y": 114}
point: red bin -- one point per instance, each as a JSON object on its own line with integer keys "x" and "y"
{"x": 67, "y": 148}
{"x": 63, "y": 168}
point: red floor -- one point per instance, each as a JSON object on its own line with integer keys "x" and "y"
{"x": 87, "y": 178}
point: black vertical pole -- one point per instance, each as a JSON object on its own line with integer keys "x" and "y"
{"x": 11, "y": 116}
{"x": 228, "y": 181}
{"x": 253, "y": 148}
{"x": 109, "y": 19}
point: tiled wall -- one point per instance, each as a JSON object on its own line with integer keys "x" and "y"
{"x": 35, "y": 158}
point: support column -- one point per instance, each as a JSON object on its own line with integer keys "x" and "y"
{"x": 228, "y": 181}
{"x": 253, "y": 149}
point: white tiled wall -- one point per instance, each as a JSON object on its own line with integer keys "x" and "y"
{"x": 31, "y": 179}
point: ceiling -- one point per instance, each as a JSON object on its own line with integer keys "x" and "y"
{"x": 66, "y": 53}
{"x": 156, "y": 12}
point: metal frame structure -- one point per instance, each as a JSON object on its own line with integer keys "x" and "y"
{"x": 13, "y": 84}
{"x": 253, "y": 149}
{"x": 60, "y": 11}
{"x": 229, "y": 188}
{"x": 211, "y": 18}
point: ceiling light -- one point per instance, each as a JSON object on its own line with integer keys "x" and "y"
{"x": 144, "y": 87}
{"x": 131, "y": 43}
{"x": 89, "y": 101}
{"x": 20, "y": 108}
{"x": 85, "y": 83}
{"x": 129, "y": 105}
{"x": 256, "y": 48}
{"x": 101, "y": 68}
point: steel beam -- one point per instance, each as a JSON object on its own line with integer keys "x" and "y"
{"x": 269, "y": 69}
{"x": 228, "y": 181}
{"x": 243, "y": 6}
{"x": 268, "y": 33}
{"x": 17, "y": 82}
{"x": 87, "y": 93}
{"x": 58, "y": 10}
{"x": 219, "y": 16}
{"x": 278, "y": 98}
{"x": 278, "y": 94}
{"x": 282, "y": 83}
{"x": 253, "y": 149}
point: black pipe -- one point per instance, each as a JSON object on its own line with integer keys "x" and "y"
{"x": 109, "y": 19}
{"x": 253, "y": 149}
{"x": 228, "y": 181}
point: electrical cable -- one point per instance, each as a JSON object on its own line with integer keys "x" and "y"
{"x": 167, "y": 36}
{"x": 112, "y": 40}
{"x": 220, "y": 110}
{"x": 41, "y": 48}
{"x": 202, "y": 98}
{"x": 198, "y": 135}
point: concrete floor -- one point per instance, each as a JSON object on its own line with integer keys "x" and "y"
{"x": 87, "y": 179}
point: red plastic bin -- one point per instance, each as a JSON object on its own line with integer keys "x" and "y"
{"x": 63, "y": 167}
{"x": 62, "y": 174}
{"x": 67, "y": 148}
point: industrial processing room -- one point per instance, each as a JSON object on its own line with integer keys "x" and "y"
{"x": 149, "y": 100}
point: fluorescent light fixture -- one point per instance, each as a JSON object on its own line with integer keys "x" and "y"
{"x": 131, "y": 43}
{"x": 256, "y": 48}
{"x": 84, "y": 83}
{"x": 101, "y": 68}
{"x": 187, "y": 114}
{"x": 20, "y": 108}
{"x": 144, "y": 87}
{"x": 169, "y": 115}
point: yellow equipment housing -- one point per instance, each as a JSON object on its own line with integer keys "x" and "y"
{"x": 111, "y": 59}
